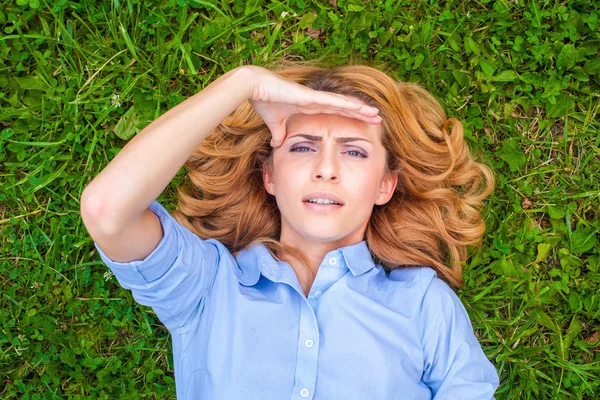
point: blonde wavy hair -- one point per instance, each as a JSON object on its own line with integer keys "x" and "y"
{"x": 433, "y": 215}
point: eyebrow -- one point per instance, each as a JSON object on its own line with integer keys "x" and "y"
{"x": 345, "y": 139}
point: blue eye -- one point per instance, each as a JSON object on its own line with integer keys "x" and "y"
{"x": 299, "y": 147}
{"x": 360, "y": 154}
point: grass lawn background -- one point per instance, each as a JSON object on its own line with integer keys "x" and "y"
{"x": 79, "y": 79}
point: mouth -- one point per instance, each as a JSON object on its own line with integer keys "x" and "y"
{"x": 322, "y": 208}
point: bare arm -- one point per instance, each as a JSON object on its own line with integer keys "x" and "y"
{"x": 114, "y": 206}
{"x": 124, "y": 189}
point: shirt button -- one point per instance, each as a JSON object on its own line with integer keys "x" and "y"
{"x": 304, "y": 392}
{"x": 332, "y": 261}
{"x": 318, "y": 294}
{"x": 309, "y": 343}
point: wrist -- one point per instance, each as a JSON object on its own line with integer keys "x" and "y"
{"x": 246, "y": 76}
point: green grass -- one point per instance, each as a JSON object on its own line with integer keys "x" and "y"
{"x": 78, "y": 79}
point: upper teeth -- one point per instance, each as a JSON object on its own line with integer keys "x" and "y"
{"x": 322, "y": 201}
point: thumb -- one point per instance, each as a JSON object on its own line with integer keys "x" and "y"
{"x": 278, "y": 135}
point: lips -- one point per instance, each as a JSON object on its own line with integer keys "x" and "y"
{"x": 322, "y": 208}
{"x": 323, "y": 195}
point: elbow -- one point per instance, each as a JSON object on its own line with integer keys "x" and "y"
{"x": 93, "y": 214}
{"x": 88, "y": 203}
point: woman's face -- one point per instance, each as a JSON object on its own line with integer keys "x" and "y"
{"x": 335, "y": 155}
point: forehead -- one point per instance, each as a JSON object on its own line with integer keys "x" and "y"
{"x": 333, "y": 125}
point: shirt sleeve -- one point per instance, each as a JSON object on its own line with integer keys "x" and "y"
{"x": 175, "y": 278}
{"x": 455, "y": 366}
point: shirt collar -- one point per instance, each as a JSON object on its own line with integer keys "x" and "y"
{"x": 256, "y": 259}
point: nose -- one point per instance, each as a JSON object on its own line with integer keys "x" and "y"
{"x": 326, "y": 165}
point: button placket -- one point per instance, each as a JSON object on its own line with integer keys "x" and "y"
{"x": 308, "y": 352}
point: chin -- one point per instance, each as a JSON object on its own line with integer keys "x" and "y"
{"x": 324, "y": 236}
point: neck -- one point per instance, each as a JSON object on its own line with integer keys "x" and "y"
{"x": 315, "y": 252}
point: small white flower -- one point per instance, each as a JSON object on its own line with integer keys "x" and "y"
{"x": 283, "y": 14}
{"x": 115, "y": 100}
{"x": 411, "y": 27}
{"x": 108, "y": 275}
{"x": 468, "y": 14}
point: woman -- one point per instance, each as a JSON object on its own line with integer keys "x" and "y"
{"x": 328, "y": 211}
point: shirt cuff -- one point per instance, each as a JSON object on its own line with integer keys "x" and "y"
{"x": 156, "y": 263}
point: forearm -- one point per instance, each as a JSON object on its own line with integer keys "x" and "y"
{"x": 138, "y": 174}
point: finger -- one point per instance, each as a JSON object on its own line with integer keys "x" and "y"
{"x": 341, "y": 96}
{"x": 368, "y": 110}
{"x": 365, "y": 111}
{"x": 334, "y": 111}
{"x": 278, "y": 136}
{"x": 375, "y": 119}
{"x": 337, "y": 101}
{"x": 364, "y": 108}
{"x": 275, "y": 143}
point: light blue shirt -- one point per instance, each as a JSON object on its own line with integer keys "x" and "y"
{"x": 242, "y": 327}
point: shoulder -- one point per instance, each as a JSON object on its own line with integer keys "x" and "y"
{"x": 181, "y": 237}
{"x": 421, "y": 287}
{"x": 404, "y": 289}
{"x": 413, "y": 276}
{"x": 434, "y": 304}
{"x": 423, "y": 279}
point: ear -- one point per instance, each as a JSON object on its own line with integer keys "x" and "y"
{"x": 268, "y": 178}
{"x": 386, "y": 191}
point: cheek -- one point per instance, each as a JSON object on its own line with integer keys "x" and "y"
{"x": 286, "y": 176}
{"x": 366, "y": 184}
